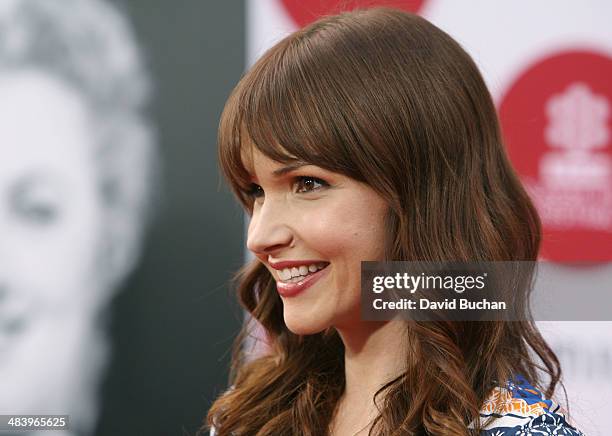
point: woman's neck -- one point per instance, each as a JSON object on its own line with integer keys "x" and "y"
{"x": 375, "y": 353}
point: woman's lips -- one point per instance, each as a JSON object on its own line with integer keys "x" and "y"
{"x": 288, "y": 289}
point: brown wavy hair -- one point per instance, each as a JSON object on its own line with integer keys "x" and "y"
{"x": 388, "y": 99}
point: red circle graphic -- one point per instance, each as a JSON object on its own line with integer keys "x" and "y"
{"x": 556, "y": 118}
{"x": 305, "y": 12}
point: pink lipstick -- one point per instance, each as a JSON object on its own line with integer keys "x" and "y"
{"x": 288, "y": 289}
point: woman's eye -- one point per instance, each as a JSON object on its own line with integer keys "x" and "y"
{"x": 35, "y": 205}
{"x": 255, "y": 191}
{"x": 40, "y": 214}
{"x": 305, "y": 184}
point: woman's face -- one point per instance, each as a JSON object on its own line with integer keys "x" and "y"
{"x": 312, "y": 217}
{"x": 50, "y": 213}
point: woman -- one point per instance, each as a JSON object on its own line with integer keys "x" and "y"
{"x": 371, "y": 135}
{"x": 76, "y": 163}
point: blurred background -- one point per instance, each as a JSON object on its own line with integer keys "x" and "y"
{"x": 118, "y": 237}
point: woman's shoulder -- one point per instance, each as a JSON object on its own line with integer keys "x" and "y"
{"x": 520, "y": 409}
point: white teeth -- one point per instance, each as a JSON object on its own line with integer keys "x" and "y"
{"x": 287, "y": 274}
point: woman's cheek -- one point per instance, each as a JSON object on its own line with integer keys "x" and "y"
{"x": 325, "y": 232}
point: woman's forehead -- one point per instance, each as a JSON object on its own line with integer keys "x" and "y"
{"x": 254, "y": 161}
{"x": 250, "y": 153}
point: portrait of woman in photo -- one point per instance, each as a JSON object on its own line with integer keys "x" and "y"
{"x": 371, "y": 135}
{"x": 77, "y": 162}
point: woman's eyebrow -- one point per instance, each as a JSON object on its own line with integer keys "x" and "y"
{"x": 288, "y": 168}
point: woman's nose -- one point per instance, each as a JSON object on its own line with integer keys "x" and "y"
{"x": 268, "y": 230}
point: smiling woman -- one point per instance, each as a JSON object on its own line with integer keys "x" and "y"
{"x": 295, "y": 226}
{"x": 370, "y": 135}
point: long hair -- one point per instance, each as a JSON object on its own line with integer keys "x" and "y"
{"x": 390, "y": 100}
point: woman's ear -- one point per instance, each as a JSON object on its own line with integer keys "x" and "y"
{"x": 124, "y": 249}
{"x": 119, "y": 254}
{"x": 131, "y": 194}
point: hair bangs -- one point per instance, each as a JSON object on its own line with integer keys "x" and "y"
{"x": 229, "y": 148}
{"x": 281, "y": 109}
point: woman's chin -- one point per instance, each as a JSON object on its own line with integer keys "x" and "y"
{"x": 301, "y": 325}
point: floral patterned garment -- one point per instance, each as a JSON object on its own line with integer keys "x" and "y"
{"x": 520, "y": 409}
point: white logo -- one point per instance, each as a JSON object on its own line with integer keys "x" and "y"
{"x": 576, "y": 176}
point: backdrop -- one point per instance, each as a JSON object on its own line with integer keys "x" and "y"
{"x": 174, "y": 322}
